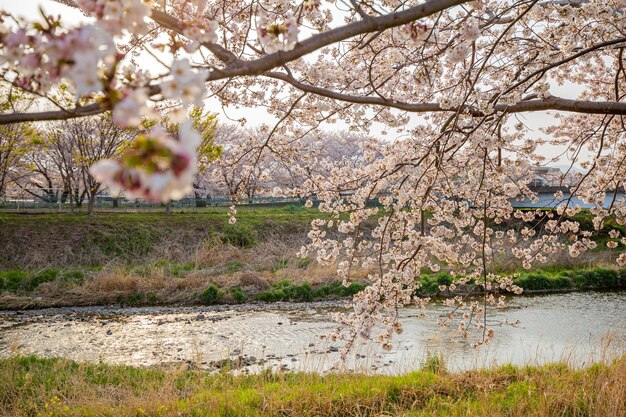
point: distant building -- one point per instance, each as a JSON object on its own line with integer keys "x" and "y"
{"x": 551, "y": 177}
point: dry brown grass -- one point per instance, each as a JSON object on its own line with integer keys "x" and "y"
{"x": 253, "y": 270}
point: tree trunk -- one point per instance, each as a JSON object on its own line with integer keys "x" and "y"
{"x": 81, "y": 198}
{"x": 116, "y": 202}
{"x": 72, "y": 196}
{"x": 168, "y": 207}
{"x": 90, "y": 203}
{"x": 67, "y": 194}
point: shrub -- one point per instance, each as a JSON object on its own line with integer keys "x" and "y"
{"x": 561, "y": 281}
{"x": 339, "y": 289}
{"x": 534, "y": 282}
{"x": 241, "y": 236}
{"x": 134, "y": 299}
{"x": 211, "y": 295}
{"x": 430, "y": 284}
{"x": 46, "y": 275}
{"x": 284, "y": 291}
{"x": 596, "y": 278}
{"x": 238, "y": 295}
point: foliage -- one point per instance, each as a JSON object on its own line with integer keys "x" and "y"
{"x": 204, "y": 122}
{"x": 286, "y": 291}
{"x": 238, "y": 295}
{"x": 545, "y": 279}
{"x": 17, "y": 281}
{"x": 211, "y": 295}
{"x": 238, "y": 235}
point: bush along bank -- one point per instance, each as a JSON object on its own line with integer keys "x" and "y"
{"x": 535, "y": 281}
{"x": 177, "y": 285}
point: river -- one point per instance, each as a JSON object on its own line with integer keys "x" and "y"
{"x": 578, "y": 328}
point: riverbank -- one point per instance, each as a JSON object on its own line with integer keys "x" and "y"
{"x": 57, "y": 387}
{"x": 36, "y": 241}
{"x": 170, "y": 284}
{"x": 197, "y": 258}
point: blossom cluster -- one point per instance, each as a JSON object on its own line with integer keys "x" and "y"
{"x": 44, "y": 56}
{"x": 117, "y": 16}
{"x": 132, "y": 108}
{"x": 202, "y": 32}
{"x": 414, "y": 31}
{"x": 156, "y": 167}
{"x": 185, "y": 84}
{"x": 277, "y": 35}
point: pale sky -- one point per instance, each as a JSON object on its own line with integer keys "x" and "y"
{"x": 255, "y": 116}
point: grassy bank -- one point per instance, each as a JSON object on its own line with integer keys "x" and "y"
{"x": 55, "y": 387}
{"x": 70, "y": 240}
{"x": 231, "y": 275}
{"x": 233, "y": 282}
{"x": 37, "y": 241}
{"x": 198, "y": 258}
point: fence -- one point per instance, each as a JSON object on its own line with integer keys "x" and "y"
{"x": 107, "y": 203}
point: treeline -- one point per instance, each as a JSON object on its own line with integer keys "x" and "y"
{"x": 50, "y": 161}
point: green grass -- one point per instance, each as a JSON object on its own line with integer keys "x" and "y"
{"x": 286, "y": 291}
{"x": 27, "y": 281}
{"x": 549, "y": 279}
{"x": 169, "y": 268}
{"x": 239, "y": 235}
{"x": 66, "y": 240}
{"x": 57, "y": 387}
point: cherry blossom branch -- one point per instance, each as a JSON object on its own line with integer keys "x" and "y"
{"x": 549, "y": 103}
{"x": 80, "y": 111}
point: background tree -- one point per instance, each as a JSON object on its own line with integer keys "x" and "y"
{"x": 205, "y": 123}
{"x": 93, "y": 139}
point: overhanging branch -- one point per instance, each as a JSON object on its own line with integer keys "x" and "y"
{"x": 549, "y": 103}
{"x": 83, "y": 111}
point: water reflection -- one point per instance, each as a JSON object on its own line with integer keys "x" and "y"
{"x": 579, "y": 327}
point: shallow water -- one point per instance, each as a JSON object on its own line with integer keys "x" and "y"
{"x": 576, "y": 327}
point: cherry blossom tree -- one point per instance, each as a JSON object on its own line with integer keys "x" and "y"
{"x": 242, "y": 172}
{"x": 447, "y": 81}
{"x": 80, "y": 143}
{"x": 40, "y": 176}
